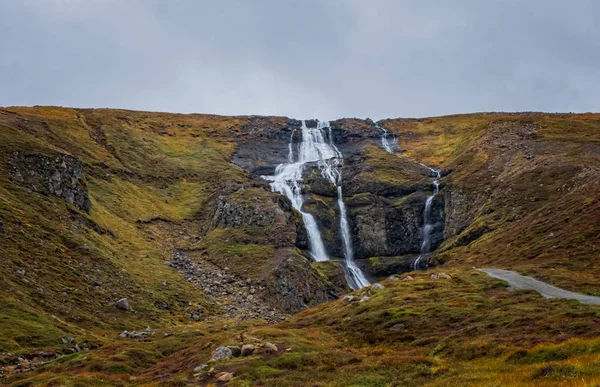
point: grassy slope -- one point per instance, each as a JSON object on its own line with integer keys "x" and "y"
{"x": 538, "y": 216}
{"x": 141, "y": 166}
{"x": 469, "y": 330}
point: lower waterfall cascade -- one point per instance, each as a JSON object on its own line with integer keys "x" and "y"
{"x": 317, "y": 146}
{"x": 427, "y": 225}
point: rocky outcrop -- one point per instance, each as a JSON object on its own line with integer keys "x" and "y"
{"x": 295, "y": 283}
{"x": 263, "y": 210}
{"x": 61, "y": 176}
{"x": 378, "y": 267}
{"x": 384, "y": 227}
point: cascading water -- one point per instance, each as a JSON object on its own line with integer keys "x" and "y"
{"x": 354, "y": 276}
{"x": 317, "y": 146}
{"x": 427, "y": 225}
{"x": 385, "y": 143}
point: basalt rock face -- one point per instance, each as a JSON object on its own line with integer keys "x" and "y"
{"x": 383, "y": 227}
{"x": 255, "y": 208}
{"x": 61, "y": 176}
{"x": 385, "y": 194}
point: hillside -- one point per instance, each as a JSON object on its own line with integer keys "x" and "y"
{"x": 170, "y": 212}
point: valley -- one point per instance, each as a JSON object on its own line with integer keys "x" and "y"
{"x": 336, "y": 252}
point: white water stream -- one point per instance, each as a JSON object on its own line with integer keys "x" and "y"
{"x": 385, "y": 143}
{"x": 427, "y": 225}
{"x": 317, "y": 146}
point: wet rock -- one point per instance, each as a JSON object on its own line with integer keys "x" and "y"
{"x": 123, "y": 304}
{"x": 221, "y": 353}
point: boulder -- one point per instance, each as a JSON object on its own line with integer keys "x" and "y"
{"x": 224, "y": 376}
{"x": 247, "y": 349}
{"x": 270, "y": 347}
{"x": 397, "y": 327}
{"x": 122, "y": 304}
{"x": 222, "y": 353}
{"x": 377, "y": 287}
{"x": 235, "y": 350}
{"x": 349, "y": 298}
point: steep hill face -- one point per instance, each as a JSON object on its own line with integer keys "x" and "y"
{"x": 171, "y": 212}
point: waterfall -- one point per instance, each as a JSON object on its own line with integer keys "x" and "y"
{"x": 385, "y": 143}
{"x": 317, "y": 146}
{"x": 427, "y": 225}
{"x": 356, "y": 279}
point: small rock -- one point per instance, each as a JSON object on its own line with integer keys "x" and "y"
{"x": 225, "y": 327}
{"x": 224, "y": 376}
{"x": 247, "y": 349}
{"x": 123, "y": 334}
{"x": 270, "y": 347}
{"x": 434, "y": 276}
{"x": 67, "y": 340}
{"x": 349, "y": 298}
{"x": 408, "y": 278}
{"x": 397, "y": 327}
{"x": 222, "y": 353}
{"x": 200, "y": 367}
{"x": 377, "y": 287}
{"x": 21, "y": 272}
{"x": 123, "y": 304}
{"x": 393, "y": 278}
{"x": 77, "y": 348}
{"x": 364, "y": 299}
{"x": 444, "y": 276}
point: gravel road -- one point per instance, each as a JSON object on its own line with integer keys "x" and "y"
{"x": 517, "y": 281}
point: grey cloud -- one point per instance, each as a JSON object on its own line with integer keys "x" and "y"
{"x": 302, "y": 58}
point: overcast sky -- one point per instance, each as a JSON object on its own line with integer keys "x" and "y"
{"x": 302, "y": 58}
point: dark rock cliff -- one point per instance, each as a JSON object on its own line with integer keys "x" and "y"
{"x": 385, "y": 194}
{"x": 61, "y": 176}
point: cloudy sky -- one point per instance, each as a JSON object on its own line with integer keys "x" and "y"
{"x": 302, "y": 58}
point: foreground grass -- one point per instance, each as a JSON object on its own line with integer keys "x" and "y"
{"x": 469, "y": 330}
